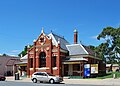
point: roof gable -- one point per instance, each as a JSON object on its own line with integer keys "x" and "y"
{"x": 56, "y": 38}
{"x": 24, "y": 57}
{"x": 76, "y": 49}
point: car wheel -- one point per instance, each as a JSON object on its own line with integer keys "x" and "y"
{"x": 34, "y": 80}
{"x": 52, "y": 81}
{"x": 3, "y": 79}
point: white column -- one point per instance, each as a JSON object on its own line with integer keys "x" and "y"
{"x": 70, "y": 71}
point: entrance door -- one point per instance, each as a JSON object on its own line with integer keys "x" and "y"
{"x": 66, "y": 70}
{"x": 76, "y": 69}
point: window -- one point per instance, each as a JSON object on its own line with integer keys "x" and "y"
{"x": 42, "y": 59}
{"x": 54, "y": 61}
{"x": 41, "y": 39}
{"x": 31, "y": 62}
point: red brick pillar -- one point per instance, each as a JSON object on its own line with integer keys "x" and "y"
{"x": 37, "y": 60}
{"x": 59, "y": 60}
{"x": 28, "y": 62}
{"x": 82, "y": 68}
{"x": 34, "y": 58}
{"x": 50, "y": 57}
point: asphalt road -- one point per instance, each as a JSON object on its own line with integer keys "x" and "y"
{"x": 12, "y": 83}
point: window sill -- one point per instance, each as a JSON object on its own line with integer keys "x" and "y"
{"x": 43, "y": 68}
{"x": 54, "y": 68}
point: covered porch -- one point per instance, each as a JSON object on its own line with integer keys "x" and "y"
{"x": 73, "y": 66}
{"x": 22, "y": 68}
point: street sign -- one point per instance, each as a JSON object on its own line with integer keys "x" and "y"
{"x": 86, "y": 70}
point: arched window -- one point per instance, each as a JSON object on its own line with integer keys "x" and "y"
{"x": 42, "y": 59}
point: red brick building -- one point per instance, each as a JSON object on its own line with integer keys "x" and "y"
{"x": 54, "y": 54}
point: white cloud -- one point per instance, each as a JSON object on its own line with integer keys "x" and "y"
{"x": 14, "y": 51}
{"x": 94, "y": 37}
{"x": 13, "y": 55}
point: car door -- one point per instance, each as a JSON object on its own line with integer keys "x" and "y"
{"x": 45, "y": 77}
{"x": 39, "y": 76}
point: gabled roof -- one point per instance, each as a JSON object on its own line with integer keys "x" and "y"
{"x": 91, "y": 52}
{"x": 56, "y": 38}
{"x": 78, "y": 49}
{"x": 24, "y": 57}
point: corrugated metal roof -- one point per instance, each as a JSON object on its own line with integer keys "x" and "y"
{"x": 76, "y": 49}
{"x": 55, "y": 39}
{"x": 24, "y": 57}
{"x": 91, "y": 52}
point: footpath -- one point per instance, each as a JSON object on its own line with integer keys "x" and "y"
{"x": 108, "y": 82}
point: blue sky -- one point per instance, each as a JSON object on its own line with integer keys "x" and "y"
{"x": 21, "y": 20}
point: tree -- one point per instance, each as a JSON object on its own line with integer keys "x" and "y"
{"x": 24, "y": 52}
{"x": 100, "y": 50}
{"x": 111, "y": 47}
{"x": 4, "y": 54}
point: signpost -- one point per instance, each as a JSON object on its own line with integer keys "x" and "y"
{"x": 94, "y": 68}
{"x": 86, "y": 70}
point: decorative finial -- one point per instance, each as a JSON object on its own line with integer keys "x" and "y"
{"x": 58, "y": 40}
{"x": 42, "y": 31}
{"x": 28, "y": 46}
{"x": 75, "y": 31}
{"x": 34, "y": 40}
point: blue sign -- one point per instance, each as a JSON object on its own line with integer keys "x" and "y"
{"x": 86, "y": 70}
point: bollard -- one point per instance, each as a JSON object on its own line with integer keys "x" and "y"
{"x": 114, "y": 76}
{"x": 16, "y": 76}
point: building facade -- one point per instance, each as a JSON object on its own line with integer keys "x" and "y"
{"x": 8, "y": 65}
{"x": 52, "y": 53}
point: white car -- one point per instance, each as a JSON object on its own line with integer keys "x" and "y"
{"x": 45, "y": 77}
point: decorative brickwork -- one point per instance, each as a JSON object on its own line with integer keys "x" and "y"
{"x": 44, "y": 44}
{"x": 51, "y": 54}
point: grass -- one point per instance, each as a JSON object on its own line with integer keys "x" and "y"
{"x": 110, "y": 75}
{"x": 75, "y": 77}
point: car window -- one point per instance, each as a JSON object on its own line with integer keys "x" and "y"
{"x": 44, "y": 74}
{"x": 38, "y": 74}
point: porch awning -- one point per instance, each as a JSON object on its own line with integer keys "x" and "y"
{"x": 22, "y": 64}
{"x": 70, "y": 62}
{"x": 73, "y": 60}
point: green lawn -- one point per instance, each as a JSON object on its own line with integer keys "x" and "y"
{"x": 110, "y": 75}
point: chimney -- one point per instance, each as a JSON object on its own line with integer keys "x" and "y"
{"x": 75, "y": 36}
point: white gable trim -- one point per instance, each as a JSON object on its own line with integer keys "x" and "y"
{"x": 53, "y": 39}
{"x": 84, "y": 49}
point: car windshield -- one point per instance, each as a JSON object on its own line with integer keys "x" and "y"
{"x": 50, "y": 74}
